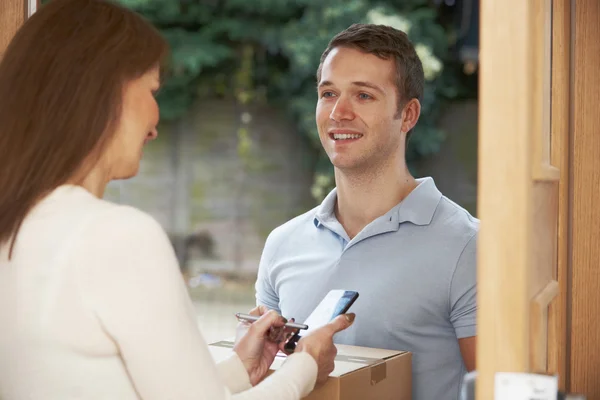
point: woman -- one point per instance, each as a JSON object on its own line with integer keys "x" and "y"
{"x": 92, "y": 305}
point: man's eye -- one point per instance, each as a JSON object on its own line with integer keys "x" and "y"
{"x": 364, "y": 96}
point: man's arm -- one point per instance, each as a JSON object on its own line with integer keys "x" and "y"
{"x": 463, "y": 302}
{"x": 467, "y": 349}
{"x": 266, "y": 294}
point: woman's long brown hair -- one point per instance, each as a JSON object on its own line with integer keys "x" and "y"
{"x": 61, "y": 82}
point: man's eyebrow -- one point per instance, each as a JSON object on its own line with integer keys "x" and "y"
{"x": 324, "y": 83}
{"x": 369, "y": 85}
{"x": 356, "y": 83}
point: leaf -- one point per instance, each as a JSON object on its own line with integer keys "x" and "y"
{"x": 287, "y": 38}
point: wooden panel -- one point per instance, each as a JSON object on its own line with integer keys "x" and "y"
{"x": 541, "y": 25}
{"x": 542, "y": 286}
{"x": 544, "y": 212}
{"x": 12, "y": 15}
{"x": 504, "y": 189}
{"x": 539, "y": 327}
{"x": 585, "y": 302}
{"x": 560, "y": 129}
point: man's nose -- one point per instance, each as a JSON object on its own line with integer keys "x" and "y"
{"x": 342, "y": 110}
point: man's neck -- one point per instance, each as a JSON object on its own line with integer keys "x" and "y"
{"x": 363, "y": 197}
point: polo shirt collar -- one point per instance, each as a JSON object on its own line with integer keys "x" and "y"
{"x": 420, "y": 204}
{"x": 326, "y": 211}
{"x": 418, "y": 207}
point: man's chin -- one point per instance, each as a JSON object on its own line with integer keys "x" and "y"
{"x": 345, "y": 162}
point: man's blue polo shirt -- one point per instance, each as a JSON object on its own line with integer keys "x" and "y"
{"x": 415, "y": 271}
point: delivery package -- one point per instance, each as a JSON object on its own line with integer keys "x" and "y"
{"x": 361, "y": 373}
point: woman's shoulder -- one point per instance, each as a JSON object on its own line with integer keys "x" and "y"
{"x": 119, "y": 221}
{"x": 103, "y": 218}
{"x": 120, "y": 233}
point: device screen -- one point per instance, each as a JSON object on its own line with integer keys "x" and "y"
{"x": 336, "y": 302}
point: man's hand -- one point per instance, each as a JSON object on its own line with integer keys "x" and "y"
{"x": 319, "y": 344}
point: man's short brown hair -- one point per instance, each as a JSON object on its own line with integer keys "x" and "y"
{"x": 385, "y": 42}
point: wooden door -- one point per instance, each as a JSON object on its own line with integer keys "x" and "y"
{"x": 539, "y": 191}
{"x": 12, "y": 15}
{"x": 522, "y": 181}
{"x": 584, "y": 272}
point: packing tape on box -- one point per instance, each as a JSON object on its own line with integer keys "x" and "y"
{"x": 378, "y": 372}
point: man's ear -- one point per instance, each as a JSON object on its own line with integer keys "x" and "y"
{"x": 410, "y": 114}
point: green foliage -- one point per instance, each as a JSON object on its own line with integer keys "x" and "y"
{"x": 269, "y": 50}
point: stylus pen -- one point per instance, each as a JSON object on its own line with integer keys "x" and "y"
{"x": 252, "y": 318}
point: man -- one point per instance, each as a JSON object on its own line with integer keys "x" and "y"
{"x": 409, "y": 251}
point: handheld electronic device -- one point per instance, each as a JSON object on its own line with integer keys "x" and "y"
{"x": 335, "y": 303}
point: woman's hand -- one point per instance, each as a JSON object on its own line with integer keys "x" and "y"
{"x": 257, "y": 343}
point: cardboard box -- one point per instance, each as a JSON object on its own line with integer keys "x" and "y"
{"x": 360, "y": 373}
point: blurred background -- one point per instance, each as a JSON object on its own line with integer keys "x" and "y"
{"x": 238, "y": 153}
